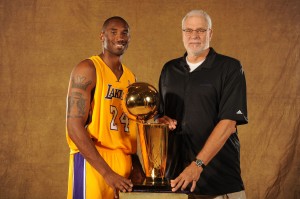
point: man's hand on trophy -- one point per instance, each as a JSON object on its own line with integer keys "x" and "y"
{"x": 166, "y": 120}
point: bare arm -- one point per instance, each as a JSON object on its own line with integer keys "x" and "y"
{"x": 213, "y": 145}
{"x": 217, "y": 139}
{"x": 82, "y": 82}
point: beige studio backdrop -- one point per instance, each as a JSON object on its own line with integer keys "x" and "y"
{"x": 42, "y": 40}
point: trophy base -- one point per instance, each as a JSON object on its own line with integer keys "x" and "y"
{"x": 153, "y": 185}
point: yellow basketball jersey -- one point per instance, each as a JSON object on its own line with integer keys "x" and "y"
{"x": 110, "y": 127}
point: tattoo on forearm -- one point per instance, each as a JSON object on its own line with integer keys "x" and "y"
{"x": 79, "y": 82}
{"x": 76, "y": 105}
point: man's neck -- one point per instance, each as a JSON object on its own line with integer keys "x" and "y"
{"x": 112, "y": 61}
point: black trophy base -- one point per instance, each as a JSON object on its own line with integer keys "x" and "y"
{"x": 160, "y": 185}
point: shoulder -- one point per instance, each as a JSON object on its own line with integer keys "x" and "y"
{"x": 84, "y": 72}
{"x": 85, "y": 66}
{"x": 172, "y": 64}
{"x": 230, "y": 67}
{"x": 228, "y": 61}
{"x": 224, "y": 64}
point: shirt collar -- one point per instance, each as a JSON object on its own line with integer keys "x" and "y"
{"x": 206, "y": 64}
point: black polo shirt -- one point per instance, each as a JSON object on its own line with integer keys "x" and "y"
{"x": 198, "y": 100}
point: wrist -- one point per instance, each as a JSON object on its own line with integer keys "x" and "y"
{"x": 199, "y": 163}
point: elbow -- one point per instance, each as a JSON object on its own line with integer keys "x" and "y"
{"x": 232, "y": 127}
{"x": 232, "y": 130}
{"x": 72, "y": 130}
{"x": 70, "y": 127}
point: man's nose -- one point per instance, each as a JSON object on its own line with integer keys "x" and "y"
{"x": 194, "y": 34}
{"x": 121, "y": 37}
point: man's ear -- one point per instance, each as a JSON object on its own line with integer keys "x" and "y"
{"x": 101, "y": 36}
{"x": 210, "y": 34}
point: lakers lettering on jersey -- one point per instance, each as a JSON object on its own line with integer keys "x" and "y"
{"x": 112, "y": 92}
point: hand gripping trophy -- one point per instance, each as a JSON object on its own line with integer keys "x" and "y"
{"x": 140, "y": 103}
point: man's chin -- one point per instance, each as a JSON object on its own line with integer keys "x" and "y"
{"x": 120, "y": 52}
{"x": 196, "y": 52}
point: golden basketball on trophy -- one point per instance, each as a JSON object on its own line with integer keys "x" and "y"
{"x": 140, "y": 103}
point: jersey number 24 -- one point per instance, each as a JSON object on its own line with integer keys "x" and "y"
{"x": 123, "y": 120}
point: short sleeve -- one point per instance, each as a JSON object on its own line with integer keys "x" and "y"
{"x": 233, "y": 102}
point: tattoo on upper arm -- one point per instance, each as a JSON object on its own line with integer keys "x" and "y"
{"x": 79, "y": 82}
{"x": 76, "y": 105}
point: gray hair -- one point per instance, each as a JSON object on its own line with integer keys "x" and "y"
{"x": 200, "y": 13}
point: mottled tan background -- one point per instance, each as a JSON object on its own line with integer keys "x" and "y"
{"x": 42, "y": 40}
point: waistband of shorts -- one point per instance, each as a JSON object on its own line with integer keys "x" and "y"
{"x": 110, "y": 150}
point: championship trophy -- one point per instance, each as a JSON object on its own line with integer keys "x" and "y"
{"x": 140, "y": 103}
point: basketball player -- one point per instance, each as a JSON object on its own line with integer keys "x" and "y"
{"x": 98, "y": 132}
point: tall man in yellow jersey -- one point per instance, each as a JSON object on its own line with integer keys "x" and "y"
{"x": 98, "y": 131}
